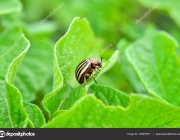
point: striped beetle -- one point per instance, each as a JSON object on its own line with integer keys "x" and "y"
{"x": 86, "y": 68}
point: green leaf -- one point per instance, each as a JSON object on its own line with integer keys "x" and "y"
{"x": 36, "y": 117}
{"x": 66, "y": 97}
{"x": 109, "y": 96}
{"x": 76, "y": 45}
{"x": 62, "y": 99}
{"x": 31, "y": 77}
{"x": 58, "y": 112}
{"x": 13, "y": 48}
{"x": 10, "y": 6}
{"x": 156, "y": 62}
{"x": 128, "y": 69}
{"x": 89, "y": 112}
{"x": 74, "y": 95}
{"x": 52, "y": 100}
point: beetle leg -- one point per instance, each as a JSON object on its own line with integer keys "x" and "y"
{"x": 84, "y": 79}
{"x": 97, "y": 70}
{"x": 86, "y": 76}
{"x": 94, "y": 78}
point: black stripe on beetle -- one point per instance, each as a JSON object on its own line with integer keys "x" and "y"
{"x": 86, "y": 68}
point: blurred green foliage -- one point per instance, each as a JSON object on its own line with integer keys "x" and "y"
{"x": 132, "y": 27}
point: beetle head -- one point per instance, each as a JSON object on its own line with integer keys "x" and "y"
{"x": 99, "y": 63}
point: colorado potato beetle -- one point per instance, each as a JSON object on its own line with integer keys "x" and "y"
{"x": 86, "y": 68}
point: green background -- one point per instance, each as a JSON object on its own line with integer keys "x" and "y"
{"x": 42, "y": 42}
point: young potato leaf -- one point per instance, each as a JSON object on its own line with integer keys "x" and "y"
{"x": 76, "y": 45}
{"x": 109, "y": 96}
{"x": 35, "y": 69}
{"x": 156, "y": 62}
{"x": 59, "y": 112}
{"x": 36, "y": 118}
{"x": 128, "y": 69}
{"x": 10, "y": 6}
{"x": 15, "y": 110}
{"x": 66, "y": 96}
{"x": 80, "y": 91}
{"x": 62, "y": 99}
{"x": 90, "y": 112}
{"x": 52, "y": 100}
{"x": 72, "y": 97}
{"x": 11, "y": 54}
